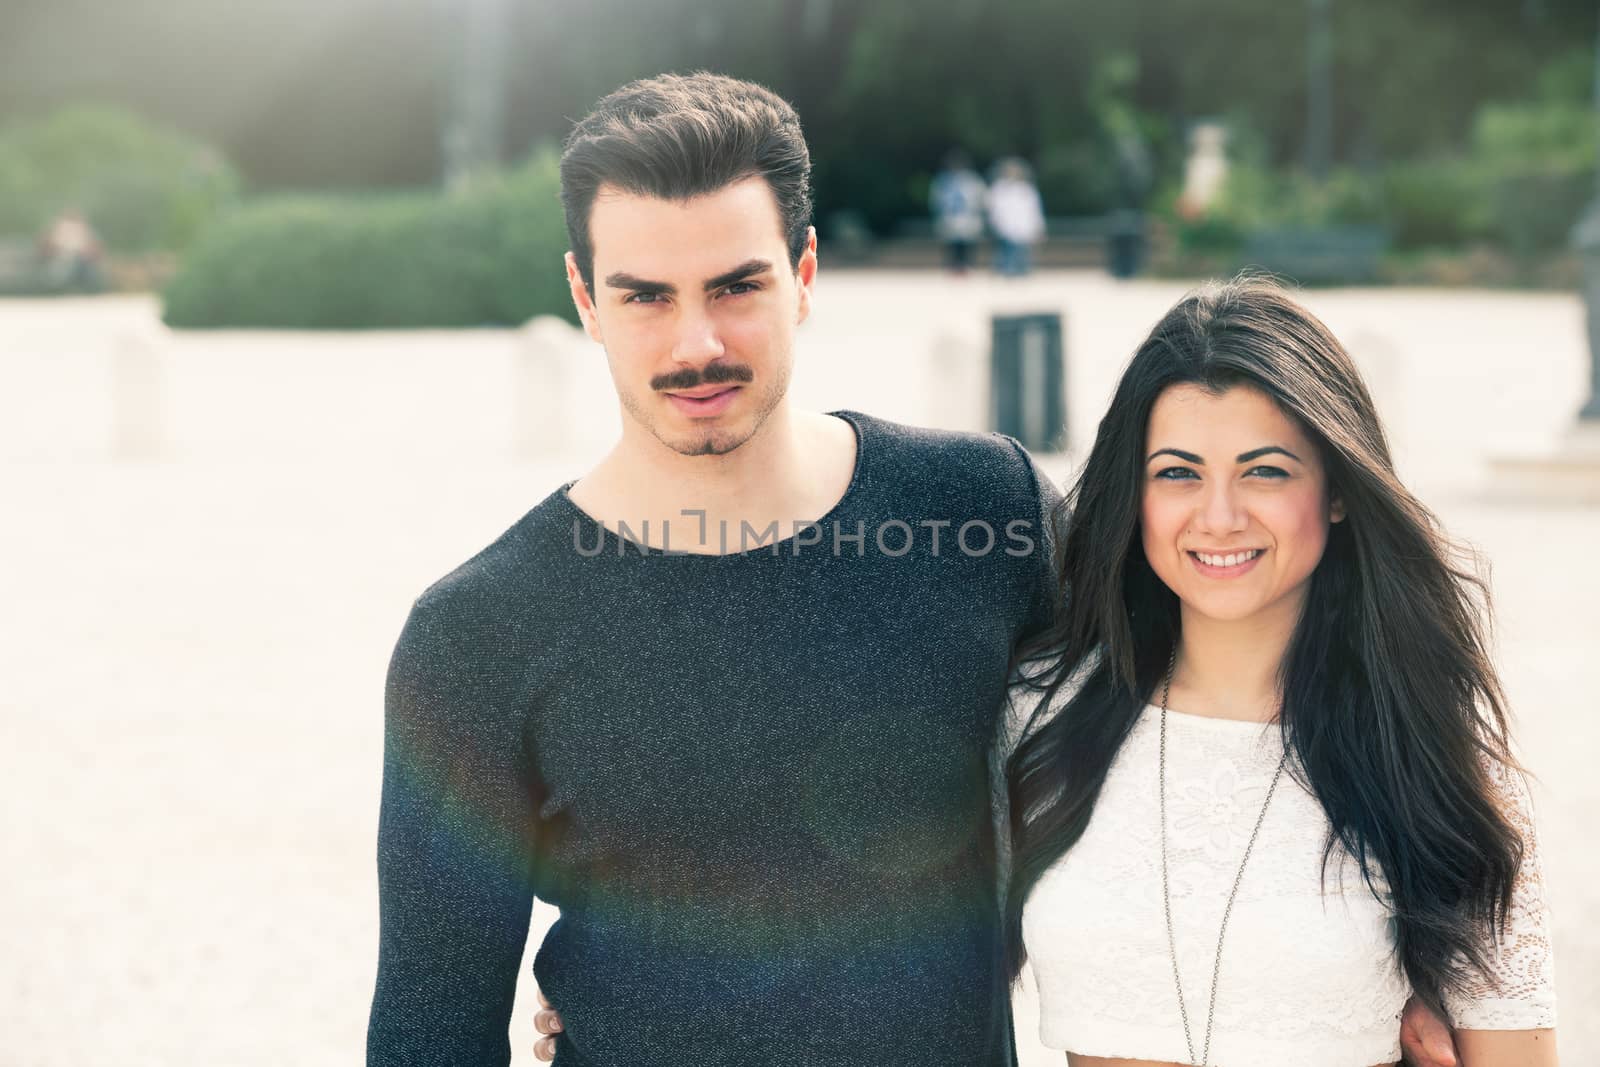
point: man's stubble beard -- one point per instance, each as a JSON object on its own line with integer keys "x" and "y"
{"x": 713, "y": 442}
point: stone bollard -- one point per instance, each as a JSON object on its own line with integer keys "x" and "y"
{"x": 957, "y": 382}
{"x": 564, "y": 403}
{"x": 138, "y": 413}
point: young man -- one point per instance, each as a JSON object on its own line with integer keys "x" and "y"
{"x": 727, "y": 699}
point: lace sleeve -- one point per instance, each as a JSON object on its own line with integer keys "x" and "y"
{"x": 1518, "y": 992}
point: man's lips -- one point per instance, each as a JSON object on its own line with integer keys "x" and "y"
{"x": 705, "y": 402}
{"x": 702, "y": 393}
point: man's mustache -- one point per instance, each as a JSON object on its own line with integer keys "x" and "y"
{"x": 713, "y": 374}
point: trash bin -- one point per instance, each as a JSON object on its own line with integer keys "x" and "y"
{"x": 1027, "y": 396}
{"x": 1125, "y": 243}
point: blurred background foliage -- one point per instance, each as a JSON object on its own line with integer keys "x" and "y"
{"x": 1455, "y": 123}
{"x": 489, "y": 253}
{"x": 145, "y": 186}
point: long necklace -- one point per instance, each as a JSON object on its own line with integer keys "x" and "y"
{"x": 1166, "y": 892}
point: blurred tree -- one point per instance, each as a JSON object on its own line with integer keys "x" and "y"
{"x": 301, "y": 92}
{"x": 142, "y": 186}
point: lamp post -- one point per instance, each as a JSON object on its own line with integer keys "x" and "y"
{"x": 1319, "y": 87}
{"x": 1586, "y": 236}
{"x": 1570, "y": 474}
{"x": 475, "y": 119}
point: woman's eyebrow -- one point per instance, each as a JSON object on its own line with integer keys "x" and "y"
{"x": 1257, "y": 453}
{"x": 1243, "y": 457}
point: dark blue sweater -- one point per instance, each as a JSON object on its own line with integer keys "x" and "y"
{"x": 755, "y": 784}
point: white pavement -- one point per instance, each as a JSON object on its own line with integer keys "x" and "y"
{"x": 193, "y": 645}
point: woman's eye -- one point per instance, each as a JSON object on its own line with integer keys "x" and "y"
{"x": 1176, "y": 474}
{"x": 1269, "y": 472}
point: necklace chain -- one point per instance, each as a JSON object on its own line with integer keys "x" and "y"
{"x": 1166, "y": 891}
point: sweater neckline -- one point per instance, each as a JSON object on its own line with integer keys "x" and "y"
{"x": 616, "y": 543}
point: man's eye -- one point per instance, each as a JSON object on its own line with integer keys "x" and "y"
{"x": 1176, "y": 474}
{"x": 642, "y": 298}
{"x": 740, "y": 288}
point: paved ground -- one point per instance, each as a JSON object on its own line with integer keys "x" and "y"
{"x": 193, "y": 646}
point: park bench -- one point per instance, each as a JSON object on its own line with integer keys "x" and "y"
{"x": 1331, "y": 254}
{"x": 19, "y": 267}
{"x": 24, "y": 273}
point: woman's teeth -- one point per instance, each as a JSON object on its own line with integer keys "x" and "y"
{"x": 1233, "y": 559}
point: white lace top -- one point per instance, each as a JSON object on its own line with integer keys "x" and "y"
{"x": 1308, "y": 975}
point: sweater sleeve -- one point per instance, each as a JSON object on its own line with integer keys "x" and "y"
{"x": 1518, "y": 992}
{"x": 455, "y": 854}
{"x": 1011, "y": 723}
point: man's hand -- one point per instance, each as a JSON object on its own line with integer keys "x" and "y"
{"x": 1426, "y": 1039}
{"x": 548, "y": 1023}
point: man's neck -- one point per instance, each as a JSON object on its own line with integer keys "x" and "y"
{"x": 791, "y": 471}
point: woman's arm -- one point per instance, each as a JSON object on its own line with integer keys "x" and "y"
{"x": 1508, "y": 1018}
{"x": 1507, "y": 1048}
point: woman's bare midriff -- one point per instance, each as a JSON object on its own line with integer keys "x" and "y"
{"x": 1075, "y": 1060}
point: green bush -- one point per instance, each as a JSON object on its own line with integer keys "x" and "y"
{"x": 143, "y": 187}
{"x": 1443, "y": 203}
{"x": 1255, "y": 198}
{"x": 1524, "y": 204}
{"x": 490, "y": 254}
{"x": 1540, "y": 164}
{"x": 1077, "y": 177}
{"x": 1541, "y": 136}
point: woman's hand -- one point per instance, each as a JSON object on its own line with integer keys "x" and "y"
{"x": 1425, "y": 1038}
{"x": 548, "y": 1023}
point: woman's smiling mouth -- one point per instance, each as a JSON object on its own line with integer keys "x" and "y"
{"x": 1226, "y": 564}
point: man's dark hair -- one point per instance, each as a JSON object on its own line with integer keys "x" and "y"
{"x": 680, "y": 136}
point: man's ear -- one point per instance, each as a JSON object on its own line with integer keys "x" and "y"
{"x": 583, "y": 300}
{"x": 806, "y": 273}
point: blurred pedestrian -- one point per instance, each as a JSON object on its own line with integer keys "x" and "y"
{"x": 1205, "y": 171}
{"x": 71, "y": 253}
{"x": 1016, "y": 215}
{"x": 956, "y": 198}
{"x": 1125, "y": 239}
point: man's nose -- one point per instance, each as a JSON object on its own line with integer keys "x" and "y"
{"x": 697, "y": 341}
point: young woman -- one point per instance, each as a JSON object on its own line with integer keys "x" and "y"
{"x": 1261, "y": 790}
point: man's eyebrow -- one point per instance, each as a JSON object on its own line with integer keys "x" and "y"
{"x": 1243, "y": 457}
{"x": 749, "y": 268}
{"x": 624, "y": 280}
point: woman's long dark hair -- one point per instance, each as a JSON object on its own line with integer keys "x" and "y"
{"x": 1391, "y": 706}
